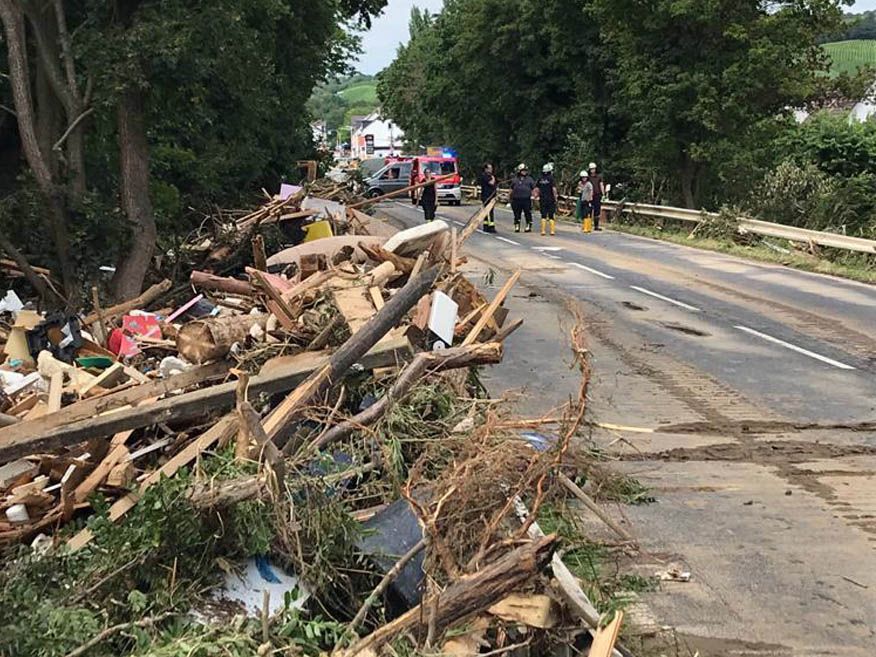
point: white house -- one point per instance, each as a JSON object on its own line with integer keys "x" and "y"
{"x": 866, "y": 108}
{"x": 374, "y": 136}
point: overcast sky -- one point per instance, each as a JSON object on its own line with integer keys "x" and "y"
{"x": 391, "y": 29}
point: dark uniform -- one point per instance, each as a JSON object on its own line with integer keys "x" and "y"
{"x": 521, "y": 200}
{"x": 547, "y": 201}
{"x": 429, "y": 201}
{"x": 488, "y": 192}
{"x": 596, "y": 204}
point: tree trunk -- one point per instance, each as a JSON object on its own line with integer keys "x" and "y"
{"x": 688, "y": 176}
{"x": 19, "y": 76}
{"x": 134, "y": 169}
{"x": 48, "y": 120}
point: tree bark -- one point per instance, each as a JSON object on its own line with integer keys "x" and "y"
{"x": 467, "y": 596}
{"x": 134, "y": 169}
{"x": 688, "y": 173}
{"x": 13, "y": 22}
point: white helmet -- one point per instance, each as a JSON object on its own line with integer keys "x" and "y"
{"x": 547, "y": 168}
{"x": 521, "y": 167}
{"x": 584, "y": 174}
{"x": 592, "y": 165}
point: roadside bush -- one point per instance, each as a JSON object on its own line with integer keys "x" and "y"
{"x": 805, "y": 196}
{"x": 796, "y": 195}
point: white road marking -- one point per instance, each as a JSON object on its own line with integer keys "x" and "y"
{"x": 553, "y": 257}
{"x": 666, "y": 299}
{"x": 799, "y": 350}
{"x": 505, "y": 239}
{"x": 547, "y": 248}
{"x": 592, "y": 271}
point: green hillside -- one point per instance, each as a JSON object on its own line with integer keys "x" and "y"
{"x": 361, "y": 94}
{"x": 848, "y": 56}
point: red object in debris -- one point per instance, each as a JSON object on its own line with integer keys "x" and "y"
{"x": 145, "y": 325}
{"x": 121, "y": 345}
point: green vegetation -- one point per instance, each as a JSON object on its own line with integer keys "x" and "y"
{"x": 597, "y": 566}
{"x": 337, "y": 100}
{"x": 854, "y": 266}
{"x": 683, "y": 116}
{"x": 849, "y": 56}
{"x": 183, "y": 104}
{"x": 857, "y": 26}
{"x": 361, "y": 94}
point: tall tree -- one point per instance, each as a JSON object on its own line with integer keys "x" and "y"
{"x": 140, "y": 108}
{"x": 697, "y": 79}
{"x": 499, "y": 80}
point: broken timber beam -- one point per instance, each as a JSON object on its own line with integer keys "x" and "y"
{"x": 139, "y": 303}
{"x": 207, "y": 281}
{"x": 467, "y": 596}
{"x": 371, "y": 334}
{"x": 187, "y": 405}
{"x": 90, "y": 409}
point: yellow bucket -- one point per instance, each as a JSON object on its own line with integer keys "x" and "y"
{"x": 587, "y": 224}
{"x": 318, "y": 230}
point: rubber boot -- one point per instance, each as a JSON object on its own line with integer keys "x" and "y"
{"x": 553, "y": 227}
{"x": 544, "y": 228}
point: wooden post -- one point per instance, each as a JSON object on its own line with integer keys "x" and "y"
{"x": 98, "y": 327}
{"x": 259, "y": 259}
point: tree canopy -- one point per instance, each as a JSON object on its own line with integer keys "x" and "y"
{"x": 672, "y": 95}
{"x": 130, "y": 112}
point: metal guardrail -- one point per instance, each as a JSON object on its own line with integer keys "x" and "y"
{"x": 746, "y": 226}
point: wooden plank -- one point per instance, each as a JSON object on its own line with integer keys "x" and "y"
{"x": 376, "y": 297}
{"x": 354, "y": 306}
{"x": 491, "y": 309}
{"x": 185, "y": 406}
{"x": 91, "y": 408}
{"x": 116, "y": 453}
{"x": 530, "y": 609}
{"x": 223, "y": 429}
{"x": 266, "y": 286}
{"x": 24, "y": 405}
{"x": 56, "y": 387}
{"x": 606, "y": 637}
{"x": 110, "y": 377}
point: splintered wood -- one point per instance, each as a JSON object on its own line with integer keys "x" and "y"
{"x": 340, "y": 370}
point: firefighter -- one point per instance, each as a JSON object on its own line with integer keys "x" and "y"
{"x": 547, "y": 198}
{"x": 584, "y": 206}
{"x": 598, "y": 192}
{"x": 428, "y": 196}
{"x": 488, "y": 192}
{"x": 522, "y": 187}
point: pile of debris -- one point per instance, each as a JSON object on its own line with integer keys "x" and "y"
{"x": 320, "y": 421}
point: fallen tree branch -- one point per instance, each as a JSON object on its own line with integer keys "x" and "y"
{"x": 139, "y": 303}
{"x": 423, "y": 363}
{"x": 29, "y": 272}
{"x": 587, "y": 501}
{"x": 380, "y": 588}
{"x": 348, "y": 354}
{"x": 467, "y": 596}
{"x": 115, "y": 629}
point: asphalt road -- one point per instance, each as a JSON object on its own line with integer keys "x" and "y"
{"x": 776, "y": 523}
{"x": 800, "y": 344}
